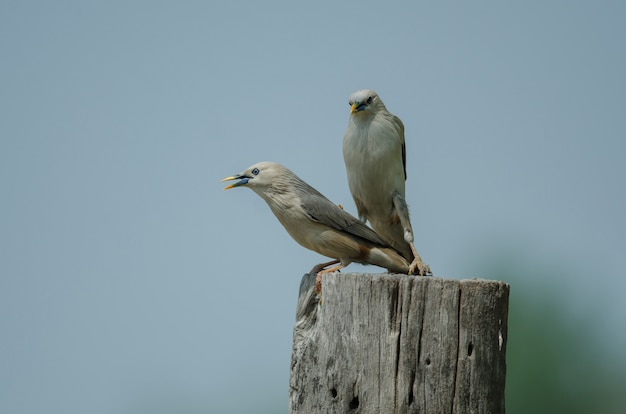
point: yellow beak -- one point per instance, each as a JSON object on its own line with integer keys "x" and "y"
{"x": 243, "y": 181}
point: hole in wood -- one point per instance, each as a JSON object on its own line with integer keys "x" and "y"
{"x": 354, "y": 404}
{"x": 333, "y": 392}
{"x": 427, "y": 361}
{"x": 470, "y": 349}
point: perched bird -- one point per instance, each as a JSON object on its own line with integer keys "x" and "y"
{"x": 375, "y": 157}
{"x": 316, "y": 223}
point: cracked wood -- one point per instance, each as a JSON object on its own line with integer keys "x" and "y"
{"x": 399, "y": 344}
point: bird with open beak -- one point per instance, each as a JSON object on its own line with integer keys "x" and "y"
{"x": 316, "y": 223}
{"x": 375, "y": 156}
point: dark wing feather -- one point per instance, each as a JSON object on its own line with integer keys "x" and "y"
{"x": 404, "y": 159}
{"x": 400, "y": 130}
{"x": 322, "y": 210}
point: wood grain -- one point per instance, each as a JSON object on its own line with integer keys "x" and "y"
{"x": 382, "y": 343}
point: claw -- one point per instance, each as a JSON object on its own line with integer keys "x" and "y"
{"x": 318, "y": 283}
{"x": 422, "y": 269}
{"x": 318, "y": 278}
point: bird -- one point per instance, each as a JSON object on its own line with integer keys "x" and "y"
{"x": 316, "y": 223}
{"x": 375, "y": 157}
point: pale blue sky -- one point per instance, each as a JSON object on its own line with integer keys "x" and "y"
{"x": 130, "y": 282}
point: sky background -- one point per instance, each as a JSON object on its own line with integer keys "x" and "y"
{"x": 131, "y": 283}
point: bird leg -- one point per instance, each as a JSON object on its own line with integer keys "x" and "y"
{"x": 417, "y": 263}
{"x": 318, "y": 279}
{"x": 318, "y": 268}
{"x": 403, "y": 214}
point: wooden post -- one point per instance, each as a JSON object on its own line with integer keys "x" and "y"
{"x": 381, "y": 343}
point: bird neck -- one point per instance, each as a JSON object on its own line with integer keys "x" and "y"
{"x": 362, "y": 119}
{"x": 278, "y": 196}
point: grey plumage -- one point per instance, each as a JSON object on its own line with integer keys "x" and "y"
{"x": 315, "y": 222}
{"x": 375, "y": 157}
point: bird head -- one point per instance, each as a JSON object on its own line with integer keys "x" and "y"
{"x": 258, "y": 176}
{"x": 365, "y": 101}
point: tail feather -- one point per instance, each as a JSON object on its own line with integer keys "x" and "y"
{"x": 389, "y": 259}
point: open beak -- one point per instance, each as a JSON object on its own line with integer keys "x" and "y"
{"x": 243, "y": 180}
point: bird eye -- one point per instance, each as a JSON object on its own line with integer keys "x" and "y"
{"x": 255, "y": 171}
{"x": 369, "y": 100}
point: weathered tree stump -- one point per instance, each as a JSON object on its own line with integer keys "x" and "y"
{"x": 382, "y": 343}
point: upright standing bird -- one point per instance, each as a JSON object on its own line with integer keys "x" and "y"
{"x": 375, "y": 157}
{"x": 317, "y": 223}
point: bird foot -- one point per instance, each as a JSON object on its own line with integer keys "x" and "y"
{"x": 318, "y": 278}
{"x": 417, "y": 264}
{"x": 318, "y": 283}
{"x": 421, "y": 268}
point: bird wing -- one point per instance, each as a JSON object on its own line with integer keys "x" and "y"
{"x": 399, "y": 126}
{"x": 322, "y": 210}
